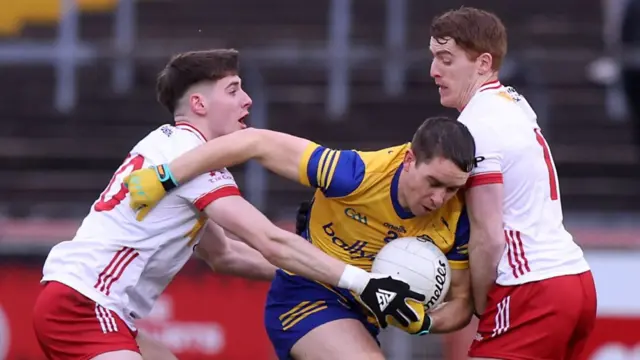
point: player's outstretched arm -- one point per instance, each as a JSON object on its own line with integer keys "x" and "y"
{"x": 291, "y": 252}
{"x": 278, "y": 152}
{"x": 456, "y": 312}
{"x": 228, "y": 256}
{"x": 486, "y": 243}
{"x": 280, "y": 247}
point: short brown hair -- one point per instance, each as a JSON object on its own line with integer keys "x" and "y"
{"x": 446, "y": 138}
{"x": 190, "y": 68}
{"x": 475, "y": 31}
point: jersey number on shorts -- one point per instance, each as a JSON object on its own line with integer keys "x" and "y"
{"x": 553, "y": 183}
{"x": 129, "y": 165}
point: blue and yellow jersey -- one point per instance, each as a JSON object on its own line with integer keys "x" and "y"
{"x": 356, "y": 211}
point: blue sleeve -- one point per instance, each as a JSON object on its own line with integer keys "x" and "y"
{"x": 460, "y": 250}
{"x": 336, "y": 172}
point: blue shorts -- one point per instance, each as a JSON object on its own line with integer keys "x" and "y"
{"x": 296, "y": 305}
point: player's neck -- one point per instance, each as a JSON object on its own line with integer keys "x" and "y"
{"x": 199, "y": 125}
{"x": 474, "y": 87}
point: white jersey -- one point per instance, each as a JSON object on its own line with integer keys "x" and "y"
{"x": 511, "y": 150}
{"x": 122, "y": 264}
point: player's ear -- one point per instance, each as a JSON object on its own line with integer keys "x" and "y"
{"x": 198, "y": 104}
{"x": 409, "y": 159}
{"x": 485, "y": 62}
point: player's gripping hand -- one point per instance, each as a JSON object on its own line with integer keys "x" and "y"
{"x": 420, "y": 327}
{"x": 385, "y": 296}
{"x": 147, "y": 187}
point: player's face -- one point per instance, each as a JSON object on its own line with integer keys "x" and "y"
{"x": 228, "y": 106}
{"x": 454, "y": 73}
{"x": 429, "y": 185}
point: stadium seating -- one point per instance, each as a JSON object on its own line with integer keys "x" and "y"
{"x": 15, "y": 15}
{"x": 52, "y": 155}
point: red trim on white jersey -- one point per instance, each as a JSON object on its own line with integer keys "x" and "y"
{"x": 113, "y": 271}
{"x": 490, "y": 85}
{"x": 515, "y": 253}
{"x": 189, "y": 127}
{"x": 206, "y": 199}
{"x": 484, "y": 179}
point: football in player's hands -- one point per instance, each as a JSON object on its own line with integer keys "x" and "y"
{"x": 385, "y": 296}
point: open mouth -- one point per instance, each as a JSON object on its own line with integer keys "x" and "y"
{"x": 242, "y": 121}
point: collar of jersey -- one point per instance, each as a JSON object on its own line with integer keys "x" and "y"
{"x": 400, "y": 211}
{"x": 490, "y": 85}
{"x": 192, "y": 129}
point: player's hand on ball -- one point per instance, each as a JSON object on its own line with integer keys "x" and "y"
{"x": 420, "y": 327}
{"x": 147, "y": 187}
{"x": 385, "y": 296}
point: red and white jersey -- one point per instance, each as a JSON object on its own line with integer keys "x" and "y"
{"x": 123, "y": 264}
{"x": 511, "y": 150}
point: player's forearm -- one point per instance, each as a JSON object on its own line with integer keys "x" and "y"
{"x": 295, "y": 254}
{"x": 225, "y": 151}
{"x": 486, "y": 241}
{"x": 484, "y": 257}
{"x": 278, "y": 152}
{"x": 452, "y": 315}
{"x": 283, "y": 248}
{"x": 241, "y": 260}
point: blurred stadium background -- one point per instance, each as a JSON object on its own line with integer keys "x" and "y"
{"x": 77, "y": 91}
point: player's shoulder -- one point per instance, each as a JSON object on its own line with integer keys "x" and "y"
{"x": 384, "y": 160}
{"x": 494, "y": 113}
{"x": 381, "y": 166}
{"x": 181, "y": 132}
{"x": 483, "y": 107}
{"x": 167, "y": 142}
{"x": 359, "y": 171}
{"x": 497, "y": 104}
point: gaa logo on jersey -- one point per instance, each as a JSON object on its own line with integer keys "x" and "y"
{"x": 353, "y": 214}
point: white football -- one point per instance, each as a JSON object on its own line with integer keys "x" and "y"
{"x": 419, "y": 263}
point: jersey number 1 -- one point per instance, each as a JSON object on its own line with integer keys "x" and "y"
{"x": 553, "y": 183}
{"x": 130, "y": 164}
